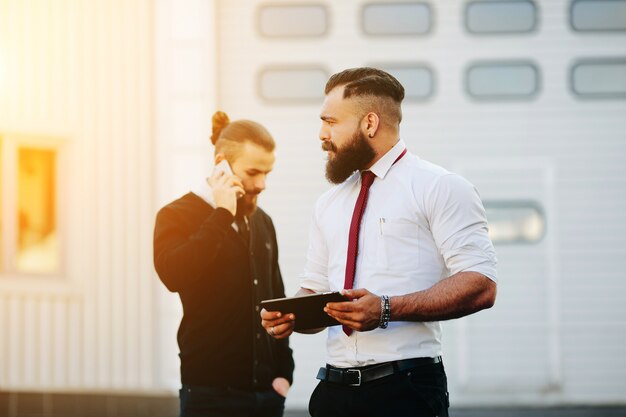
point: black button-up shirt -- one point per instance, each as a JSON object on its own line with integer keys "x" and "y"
{"x": 221, "y": 281}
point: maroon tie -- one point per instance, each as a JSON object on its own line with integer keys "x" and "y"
{"x": 367, "y": 178}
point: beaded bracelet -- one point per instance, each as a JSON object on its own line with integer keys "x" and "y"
{"x": 385, "y": 312}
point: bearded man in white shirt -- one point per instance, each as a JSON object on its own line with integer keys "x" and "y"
{"x": 402, "y": 238}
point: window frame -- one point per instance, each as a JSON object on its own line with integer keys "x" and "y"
{"x": 11, "y": 143}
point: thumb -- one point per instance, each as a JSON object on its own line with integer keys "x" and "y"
{"x": 355, "y": 294}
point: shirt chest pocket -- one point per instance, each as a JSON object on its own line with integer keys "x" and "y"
{"x": 398, "y": 245}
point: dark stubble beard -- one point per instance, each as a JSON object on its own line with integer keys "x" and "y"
{"x": 246, "y": 205}
{"x": 355, "y": 155}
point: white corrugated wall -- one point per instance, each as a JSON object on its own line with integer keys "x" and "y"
{"x": 558, "y": 330}
{"x": 82, "y": 72}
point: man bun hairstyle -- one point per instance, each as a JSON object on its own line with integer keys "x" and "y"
{"x": 376, "y": 89}
{"x": 228, "y": 137}
{"x": 218, "y": 122}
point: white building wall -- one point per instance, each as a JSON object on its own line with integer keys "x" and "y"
{"x": 82, "y": 72}
{"x": 557, "y": 332}
{"x": 126, "y": 90}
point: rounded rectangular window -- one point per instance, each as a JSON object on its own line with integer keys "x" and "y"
{"x": 418, "y": 80}
{"x": 286, "y": 84}
{"x": 598, "y": 15}
{"x": 288, "y": 21}
{"x": 502, "y": 80}
{"x": 492, "y": 17}
{"x": 396, "y": 19}
{"x": 515, "y": 221}
{"x": 599, "y": 79}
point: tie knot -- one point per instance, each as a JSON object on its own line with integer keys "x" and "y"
{"x": 367, "y": 178}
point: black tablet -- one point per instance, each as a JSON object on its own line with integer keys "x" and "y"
{"x": 309, "y": 309}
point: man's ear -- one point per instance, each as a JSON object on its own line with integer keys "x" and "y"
{"x": 370, "y": 124}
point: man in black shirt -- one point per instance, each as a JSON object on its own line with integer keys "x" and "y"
{"x": 218, "y": 251}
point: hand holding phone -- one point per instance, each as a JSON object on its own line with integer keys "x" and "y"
{"x": 227, "y": 188}
{"x": 224, "y": 167}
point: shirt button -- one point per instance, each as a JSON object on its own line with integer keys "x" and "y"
{"x": 254, "y": 381}
{"x": 258, "y": 335}
{"x": 256, "y": 282}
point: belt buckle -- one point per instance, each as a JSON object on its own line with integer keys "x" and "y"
{"x": 358, "y": 372}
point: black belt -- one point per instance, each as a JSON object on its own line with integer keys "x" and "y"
{"x": 357, "y": 376}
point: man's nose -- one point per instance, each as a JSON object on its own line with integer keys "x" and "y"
{"x": 324, "y": 133}
{"x": 259, "y": 183}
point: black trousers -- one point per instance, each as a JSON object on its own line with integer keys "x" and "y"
{"x": 417, "y": 392}
{"x": 229, "y": 402}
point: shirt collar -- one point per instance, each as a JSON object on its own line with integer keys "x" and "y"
{"x": 205, "y": 192}
{"x": 383, "y": 165}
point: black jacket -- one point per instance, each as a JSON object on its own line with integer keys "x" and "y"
{"x": 221, "y": 280}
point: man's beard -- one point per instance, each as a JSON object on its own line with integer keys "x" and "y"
{"x": 246, "y": 205}
{"x": 354, "y": 155}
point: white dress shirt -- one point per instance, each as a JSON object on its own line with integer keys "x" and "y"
{"x": 421, "y": 224}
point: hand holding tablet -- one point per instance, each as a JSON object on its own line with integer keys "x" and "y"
{"x": 308, "y": 309}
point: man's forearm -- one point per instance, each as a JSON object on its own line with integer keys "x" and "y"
{"x": 457, "y": 296}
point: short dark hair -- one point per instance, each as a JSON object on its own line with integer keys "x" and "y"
{"x": 366, "y": 81}
{"x": 375, "y": 90}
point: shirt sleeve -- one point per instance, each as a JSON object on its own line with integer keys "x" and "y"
{"x": 315, "y": 274}
{"x": 459, "y": 226}
{"x": 180, "y": 257}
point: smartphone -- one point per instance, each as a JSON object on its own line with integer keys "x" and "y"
{"x": 224, "y": 167}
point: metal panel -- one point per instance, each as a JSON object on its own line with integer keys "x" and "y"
{"x": 529, "y": 296}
